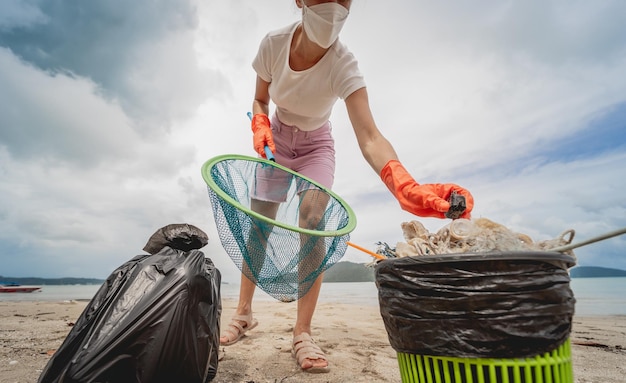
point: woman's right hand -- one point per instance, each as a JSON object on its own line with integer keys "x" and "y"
{"x": 262, "y": 134}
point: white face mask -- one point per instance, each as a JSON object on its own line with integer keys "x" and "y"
{"x": 323, "y": 22}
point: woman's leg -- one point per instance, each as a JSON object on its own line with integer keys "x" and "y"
{"x": 312, "y": 207}
{"x": 247, "y": 286}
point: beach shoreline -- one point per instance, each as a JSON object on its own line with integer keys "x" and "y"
{"x": 353, "y": 337}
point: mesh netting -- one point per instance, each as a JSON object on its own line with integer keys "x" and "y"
{"x": 281, "y": 229}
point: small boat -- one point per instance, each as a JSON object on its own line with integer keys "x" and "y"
{"x": 17, "y": 288}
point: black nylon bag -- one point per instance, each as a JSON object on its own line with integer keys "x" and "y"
{"x": 487, "y": 305}
{"x": 155, "y": 319}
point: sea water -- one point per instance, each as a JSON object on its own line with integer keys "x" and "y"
{"x": 599, "y": 296}
{"x": 594, "y": 296}
{"x": 54, "y": 293}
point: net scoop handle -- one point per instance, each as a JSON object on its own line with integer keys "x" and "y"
{"x": 373, "y": 254}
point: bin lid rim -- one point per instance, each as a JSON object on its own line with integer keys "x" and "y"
{"x": 544, "y": 256}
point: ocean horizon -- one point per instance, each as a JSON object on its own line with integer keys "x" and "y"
{"x": 594, "y": 296}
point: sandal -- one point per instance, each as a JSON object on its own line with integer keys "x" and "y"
{"x": 235, "y": 331}
{"x": 304, "y": 348}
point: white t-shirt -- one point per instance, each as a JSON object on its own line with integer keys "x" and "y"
{"x": 305, "y": 98}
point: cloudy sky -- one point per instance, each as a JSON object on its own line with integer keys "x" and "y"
{"x": 108, "y": 109}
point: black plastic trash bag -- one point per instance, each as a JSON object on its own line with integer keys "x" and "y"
{"x": 155, "y": 319}
{"x": 179, "y": 236}
{"x": 486, "y": 305}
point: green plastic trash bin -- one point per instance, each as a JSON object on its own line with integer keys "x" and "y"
{"x": 501, "y": 317}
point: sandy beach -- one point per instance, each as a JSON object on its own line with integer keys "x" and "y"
{"x": 353, "y": 337}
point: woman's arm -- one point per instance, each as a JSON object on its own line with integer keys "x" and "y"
{"x": 426, "y": 200}
{"x": 260, "y": 121}
{"x": 261, "y": 97}
{"x": 374, "y": 146}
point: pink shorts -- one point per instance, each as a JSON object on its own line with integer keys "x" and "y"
{"x": 311, "y": 154}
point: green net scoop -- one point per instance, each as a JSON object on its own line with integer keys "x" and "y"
{"x": 281, "y": 229}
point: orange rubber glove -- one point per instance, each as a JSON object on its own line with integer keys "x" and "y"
{"x": 262, "y": 134}
{"x": 428, "y": 200}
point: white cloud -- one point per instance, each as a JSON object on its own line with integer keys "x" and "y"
{"x": 58, "y": 115}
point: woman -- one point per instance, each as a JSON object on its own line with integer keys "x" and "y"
{"x": 304, "y": 69}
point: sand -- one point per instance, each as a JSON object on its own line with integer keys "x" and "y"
{"x": 353, "y": 337}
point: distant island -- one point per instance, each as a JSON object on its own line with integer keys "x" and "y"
{"x": 349, "y": 272}
{"x": 51, "y": 281}
{"x": 595, "y": 272}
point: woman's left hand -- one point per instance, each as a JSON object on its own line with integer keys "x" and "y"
{"x": 426, "y": 200}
